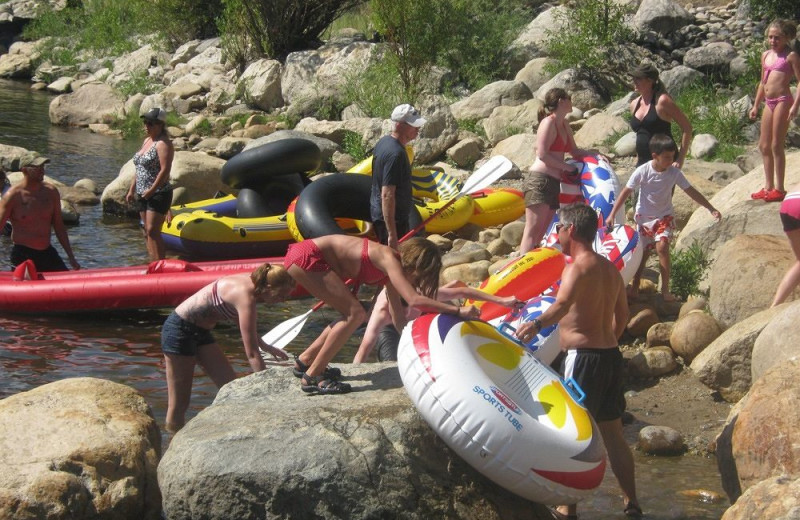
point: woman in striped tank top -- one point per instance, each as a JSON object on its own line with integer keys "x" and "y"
{"x": 186, "y": 337}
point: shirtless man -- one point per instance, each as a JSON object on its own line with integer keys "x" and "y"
{"x": 592, "y": 311}
{"x": 34, "y": 208}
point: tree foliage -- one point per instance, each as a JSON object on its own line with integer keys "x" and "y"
{"x": 594, "y": 27}
{"x": 788, "y": 9}
{"x": 468, "y": 37}
{"x": 274, "y": 28}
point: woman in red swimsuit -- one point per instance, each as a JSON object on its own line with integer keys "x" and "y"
{"x": 320, "y": 265}
{"x": 543, "y": 181}
{"x": 778, "y": 64}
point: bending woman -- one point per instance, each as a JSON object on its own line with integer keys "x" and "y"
{"x": 653, "y": 113}
{"x": 151, "y": 185}
{"x": 320, "y": 265}
{"x": 543, "y": 184}
{"x": 186, "y": 335}
{"x": 381, "y": 328}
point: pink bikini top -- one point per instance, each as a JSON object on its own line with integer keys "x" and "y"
{"x": 781, "y": 65}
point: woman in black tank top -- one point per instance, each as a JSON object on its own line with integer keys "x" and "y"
{"x": 653, "y": 112}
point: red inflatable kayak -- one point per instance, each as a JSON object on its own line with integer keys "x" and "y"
{"x": 164, "y": 283}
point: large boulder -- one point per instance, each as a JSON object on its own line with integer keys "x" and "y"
{"x": 712, "y": 59}
{"x": 725, "y": 364}
{"x": 92, "y": 103}
{"x": 533, "y": 74}
{"x": 480, "y": 104}
{"x": 261, "y": 84}
{"x": 519, "y": 149}
{"x": 583, "y": 90}
{"x": 777, "y": 342}
{"x": 532, "y": 41}
{"x": 598, "y": 129}
{"x": 745, "y": 274}
{"x": 692, "y": 333}
{"x": 766, "y": 438}
{"x": 506, "y": 121}
{"x": 79, "y": 448}
{"x": 740, "y": 214}
{"x": 685, "y": 206}
{"x": 364, "y": 455}
{"x": 775, "y": 497}
{"x": 661, "y": 16}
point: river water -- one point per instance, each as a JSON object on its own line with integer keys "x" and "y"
{"x": 125, "y": 347}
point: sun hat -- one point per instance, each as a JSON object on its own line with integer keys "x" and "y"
{"x": 155, "y": 114}
{"x": 406, "y": 113}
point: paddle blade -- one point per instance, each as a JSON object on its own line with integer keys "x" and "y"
{"x": 486, "y": 175}
{"x": 283, "y": 334}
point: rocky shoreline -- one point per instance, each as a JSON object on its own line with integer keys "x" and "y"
{"x": 716, "y": 373}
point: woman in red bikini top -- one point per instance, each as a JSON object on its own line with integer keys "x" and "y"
{"x": 321, "y": 264}
{"x": 778, "y": 65}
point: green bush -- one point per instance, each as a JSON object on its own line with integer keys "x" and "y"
{"x": 255, "y": 28}
{"x": 594, "y": 27}
{"x": 139, "y": 83}
{"x": 376, "y": 90}
{"x": 468, "y": 37}
{"x": 353, "y": 145}
{"x": 688, "y": 270}
{"x": 705, "y": 108}
{"x": 95, "y": 27}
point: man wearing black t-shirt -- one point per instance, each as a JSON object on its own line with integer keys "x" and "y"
{"x": 390, "y": 198}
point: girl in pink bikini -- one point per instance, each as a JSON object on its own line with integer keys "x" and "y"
{"x": 321, "y": 264}
{"x": 778, "y": 64}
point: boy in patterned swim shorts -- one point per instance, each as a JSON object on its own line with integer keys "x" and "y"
{"x": 654, "y": 214}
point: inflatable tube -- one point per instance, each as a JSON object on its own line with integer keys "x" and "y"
{"x": 336, "y": 196}
{"x": 496, "y": 206}
{"x": 500, "y": 409}
{"x": 622, "y": 247}
{"x": 203, "y": 234}
{"x": 523, "y": 277}
{"x": 598, "y": 187}
{"x": 546, "y": 345}
{"x": 252, "y": 168}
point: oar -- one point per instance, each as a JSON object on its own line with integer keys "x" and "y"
{"x": 283, "y": 334}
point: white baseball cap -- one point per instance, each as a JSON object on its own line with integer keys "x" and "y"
{"x": 407, "y": 114}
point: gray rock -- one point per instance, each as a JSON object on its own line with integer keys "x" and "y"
{"x": 506, "y": 121}
{"x": 511, "y": 233}
{"x": 358, "y": 456}
{"x": 704, "y": 145}
{"x": 520, "y": 149}
{"x": 465, "y": 256}
{"x": 500, "y": 93}
{"x": 261, "y": 84}
{"x": 598, "y": 129}
{"x": 658, "y": 335}
{"x": 714, "y": 58}
{"x": 652, "y": 362}
{"x": 532, "y": 39}
{"x": 533, "y": 74}
{"x": 775, "y": 497}
{"x": 680, "y": 77}
{"x": 661, "y": 440}
{"x": 776, "y": 344}
{"x": 725, "y": 365}
{"x": 92, "y": 103}
{"x": 626, "y": 145}
{"x": 585, "y": 93}
{"x": 468, "y": 273}
{"x": 464, "y": 153}
{"x": 661, "y": 16}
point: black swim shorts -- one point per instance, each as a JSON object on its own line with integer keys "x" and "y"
{"x": 44, "y": 260}
{"x": 599, "y": 374}
{"x": 158, "y": 202}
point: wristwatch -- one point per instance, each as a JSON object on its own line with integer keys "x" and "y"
{"x": 538, "y": 324}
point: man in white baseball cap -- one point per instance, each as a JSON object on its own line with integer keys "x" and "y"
{"x": 390, "y": 199}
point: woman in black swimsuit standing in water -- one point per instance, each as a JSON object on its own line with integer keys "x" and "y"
{"x": 653, "y": 113}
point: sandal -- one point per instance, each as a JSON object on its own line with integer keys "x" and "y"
{"x": 300, "y": 369}
{"x": 323, "y": 385}
{"x": 633, "y": 511}
{"x": 558, "y": 515}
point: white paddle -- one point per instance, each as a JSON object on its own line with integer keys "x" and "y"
{"x": 283, "y": 333}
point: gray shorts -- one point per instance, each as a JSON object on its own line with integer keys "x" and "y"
{"x": 541, "y": 188}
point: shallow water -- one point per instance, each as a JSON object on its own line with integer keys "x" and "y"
{"x": 125, "y": 347}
